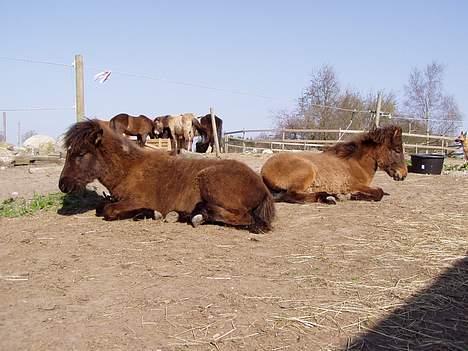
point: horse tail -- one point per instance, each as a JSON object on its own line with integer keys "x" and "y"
{"x": 263, "y": 214}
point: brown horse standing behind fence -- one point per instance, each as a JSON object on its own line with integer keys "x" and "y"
{"x": 143, "y": 181}
{"x": 179, "y": 128}
{"x": 345, "y": 168}
{"x": 208, "y": 138}
{"x": 139, "y": 126}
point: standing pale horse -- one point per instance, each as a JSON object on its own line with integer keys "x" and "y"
{"x": 179, "y": 128}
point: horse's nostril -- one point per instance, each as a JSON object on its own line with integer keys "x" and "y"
{"x": 63, "y": 186}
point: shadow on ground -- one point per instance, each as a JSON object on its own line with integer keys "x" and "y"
{"x": 81, "y": 202}
{"x": 435, "y": 319}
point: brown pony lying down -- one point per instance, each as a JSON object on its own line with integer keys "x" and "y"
{"x": 345, "y": 168}
{"x": 144, "y": 181}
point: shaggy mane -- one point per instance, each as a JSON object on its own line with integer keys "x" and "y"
{"x": 83, "y": 135}
{"x": 377, "y": 136}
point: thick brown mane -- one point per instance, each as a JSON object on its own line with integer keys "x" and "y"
{"x": 374, "y": 137}
{"x": 82, "y": 135}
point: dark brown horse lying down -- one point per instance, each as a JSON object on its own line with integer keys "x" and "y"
{"x": 345, "y": 168}
{"x": 143, "y": 181}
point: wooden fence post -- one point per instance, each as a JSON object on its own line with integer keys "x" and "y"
{"x": 79, "y": 86}
{"x": 226, "y": 144}
{"x": 377, "y": 110}
{"x": 215, "y": 131}
{"x": 243, "y": 141}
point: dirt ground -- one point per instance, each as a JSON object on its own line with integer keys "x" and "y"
{"x": 326, "y": 277}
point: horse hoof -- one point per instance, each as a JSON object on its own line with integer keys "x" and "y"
{"x": 330, "y": 200}
{"x": 197, "y": 220}
{"x": 150, "y": 214}
{"x": 172, "y": 217}
{"x": 157, "y": 215}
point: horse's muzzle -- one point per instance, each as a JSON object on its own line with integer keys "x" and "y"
{"x": 398, "y": 177}
{"x": 68, "y": 185}
{"x": 398, "y": 174}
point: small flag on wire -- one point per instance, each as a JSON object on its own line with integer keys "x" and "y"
{"x": 101, "y": 77}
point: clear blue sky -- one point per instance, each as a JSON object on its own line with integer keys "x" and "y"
{"x": 263, "y": 47}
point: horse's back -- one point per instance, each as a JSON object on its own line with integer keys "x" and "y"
{"x": 119, "y": 121}
{"x": 306, "y": 171}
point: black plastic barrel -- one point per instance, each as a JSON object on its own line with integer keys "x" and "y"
{"x": 427, "y": 163}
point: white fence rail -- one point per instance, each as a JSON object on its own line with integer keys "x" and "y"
{"x": 238, "y": 140}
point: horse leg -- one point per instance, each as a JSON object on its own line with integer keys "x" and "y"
{"x": 143, "y": 139}
{"x": 174, "y": 146}
{"x": 139, "y": 140}
{"x": 213, "y": 213}
{"x": 126, "y": 209}
{"x": 301, "y": 197}
{"x": 365, "y": 193}
{"x": 292, "y": 187}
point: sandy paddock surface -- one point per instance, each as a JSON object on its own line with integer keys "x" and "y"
{"x": 391, "y": 275}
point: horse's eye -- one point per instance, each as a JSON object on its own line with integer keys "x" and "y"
{"x": 80, "y": 155}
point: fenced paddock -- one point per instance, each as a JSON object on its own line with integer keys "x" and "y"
{"x": 278, "y": 140}
{"x": 338, "y": 277}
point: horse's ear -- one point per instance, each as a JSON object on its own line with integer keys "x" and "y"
{"x": 98, "y": 139}
{"x": 397, "y": 132}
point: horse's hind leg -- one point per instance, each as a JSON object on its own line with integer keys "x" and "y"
{"x": 142, "y": 139}
{"x": 214, "y": 213}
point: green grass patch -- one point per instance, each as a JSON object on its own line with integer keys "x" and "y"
{"x": 21, "y": 207}
{"x": 66, "y": 204}
{"x": 459, "y": 167}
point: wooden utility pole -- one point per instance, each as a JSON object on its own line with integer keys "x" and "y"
{"x": 4, "y": 126}
{"x": 215, "y": 131}
{"x": 19, "y": 133}
{"x": 377, "y": 110}
{"x": 79, "y": 88}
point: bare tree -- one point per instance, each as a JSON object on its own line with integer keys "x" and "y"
{"x": 324, "y": 90}
{"x": 425, "y": 99}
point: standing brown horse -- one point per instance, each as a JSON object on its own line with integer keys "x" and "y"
{"x": 345, "y": 168}
{"x": 143, "y": 181}
{"x": 208, "y": 135}
{"x": 139, "y": 126}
